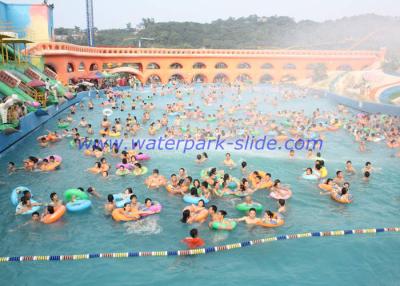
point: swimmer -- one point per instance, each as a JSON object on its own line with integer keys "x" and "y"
{"x": 366, "y": 176}
{"x": 194, "y": 241}
{"x": 271, "y": 218}
{"x": 155, "y": 180}
{"x": 251, "y": 218}
{"x": 281, "y": 206}
{"x": 55, "y": 201}
{"x": 339, "y": 179}
{"x": 349, "y": 168}
{"x": 243, "y": 168}
{"x": 92, "y": 191}
{"x": 228, "y": 161}
{"x": 35, "y": 217}
{"x": 89, "y": 129}
{"x": 201, "y": 158}
{"x": 368, "y": 168}
{"x": 47, "y": 212}
{"x": 11, "y": 168}
{"x": 182, "y": 173}
{"x": 128, "y": 212}
{"x": 96, "y": 169}
{"x": 110, "y": 205}
{"x": 291, "y": 154}
{"x": 225, "y": 223}
{"x": 25, "y": 205}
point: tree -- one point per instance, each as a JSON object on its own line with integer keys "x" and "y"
{"x": 129, "y": 26}
{"x": 319, "y": 72}
{"x": 77, "y": 29}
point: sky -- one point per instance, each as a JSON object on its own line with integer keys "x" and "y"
{"x": 117, "y": 13}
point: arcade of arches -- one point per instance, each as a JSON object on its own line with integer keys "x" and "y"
{"x": 200, "y": 65}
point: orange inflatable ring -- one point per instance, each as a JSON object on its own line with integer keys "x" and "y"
{"x": 51, "y": 218}
{"x": 339, "y": 199}
{"x": 326, "y": 187}
{"x": 170, "y": 188}
{"x": 201, "y": 217}
{"x": 280, "y": 222}
{"x": 252, "y": 177}
{"x": 50, "y": 166}
{"x": 118, "y": 215}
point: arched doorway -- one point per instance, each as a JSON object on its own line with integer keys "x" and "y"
{"x": 243, "y": 78}
{"x": 93, "y": 67}
{"x": 177, "y": 77}
{"x": 221, "y": 78}
{"x": 153, "y": 79}
{"x": 266, "y": 78}
{"x": 199, "y": 78}
{"x": 70, "y": 68}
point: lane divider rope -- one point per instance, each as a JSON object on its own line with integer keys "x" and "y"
{"x": 198, "y": 251}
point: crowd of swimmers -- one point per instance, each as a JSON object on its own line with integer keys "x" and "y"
{"x": 213, "y": 183}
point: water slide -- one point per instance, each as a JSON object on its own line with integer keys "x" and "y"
{"x": 8, "y": 91}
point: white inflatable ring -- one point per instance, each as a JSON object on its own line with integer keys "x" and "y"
{"x": 107, "y": 112}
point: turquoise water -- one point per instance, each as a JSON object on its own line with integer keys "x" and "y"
{"x": 357, "y": 260}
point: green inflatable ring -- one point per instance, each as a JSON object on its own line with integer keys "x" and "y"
{"x": 63, "y": 125}
{"x": 245, "y": 207}
{"x": 211, "y": 119}
{"x": 75, "y": 192}
{"x": 255, "y": 132}
{"x": 221, "y": 226}
{"x": 144, "y": 171}
{"x": 122, "y": 173}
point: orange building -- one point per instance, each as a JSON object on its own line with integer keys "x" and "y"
{"x": 205, "y": 65}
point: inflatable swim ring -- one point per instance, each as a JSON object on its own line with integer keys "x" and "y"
{"x": 340, "y": 199}
{"x": 326, "y": 187}
{"x": 201, "y": 216}
{"x": 117, "y": 215}
{"x": 194, "y": 200}
{"x": 287, "y": 194}
{"x": 79, "y": 195}
{"x": 78, "y": 205}
{"x": 143, "y": 171}
{"x": 123, "y": 172}
{"x": 107, "y": 112}
{"x": 156, "y": 207}
{"x": 310, "y": 177}
{"x": 246, "y": 207}
{"x": 120, "y": 201}
{"x": 271, "y": 224}
{"x": 51, "y": 218}
{"x": 142, "y": 157}
{"x": 31, "y": 211}
{"x": 16, "y": 194}
{"x": 114, "y": 134}
{"x": 63, "y": 125}
{"x": 222, "y": 226}
{"x": 127, "y": 166}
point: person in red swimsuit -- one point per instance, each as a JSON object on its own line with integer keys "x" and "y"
{"x": 193, "y": 241}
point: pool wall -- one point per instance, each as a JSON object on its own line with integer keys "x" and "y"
{"x": 369, "y": 107}
{"x": 31, "y": 121}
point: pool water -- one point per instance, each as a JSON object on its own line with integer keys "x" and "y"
{"x": 356, "y": 260}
